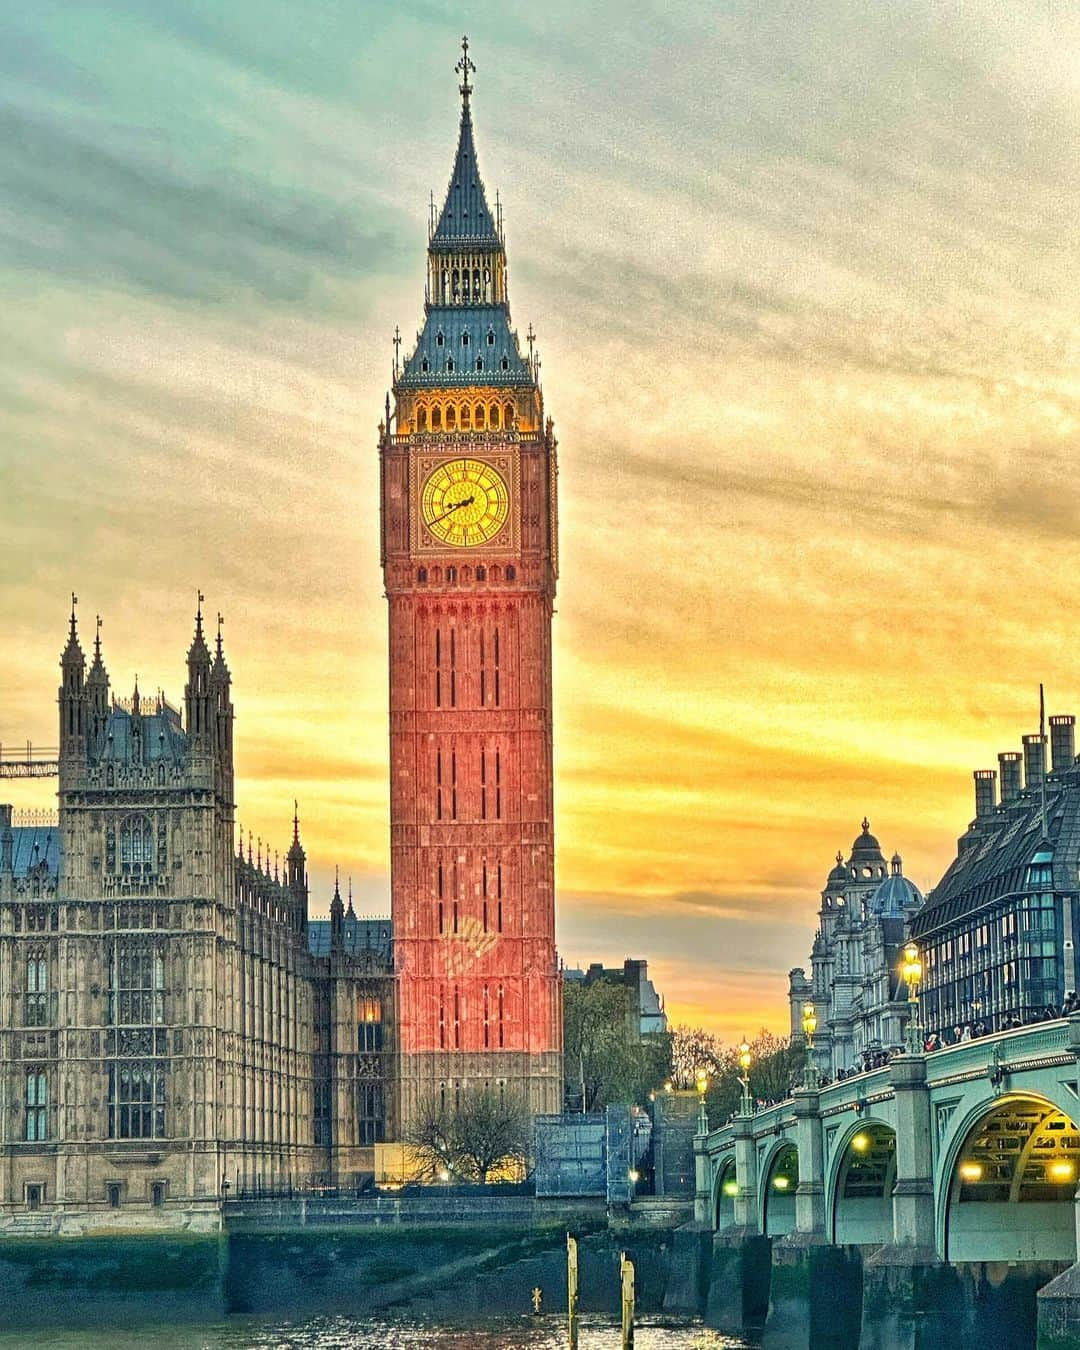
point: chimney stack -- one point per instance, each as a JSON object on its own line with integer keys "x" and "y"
{"x": 1034, "y": 762}
{"x": 1062, "y": 742}
{"x": 1009, "y": 765}
{"x": 985, "y": 792}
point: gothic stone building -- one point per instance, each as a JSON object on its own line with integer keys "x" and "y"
{"x": 855, "y": 984}
{"x": 469, "y": 555}
{"x": 172, "y": 1025}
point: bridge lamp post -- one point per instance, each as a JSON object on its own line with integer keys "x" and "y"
{"x": 809, "y": 1026}
{"x": 701, "y": 1079}
{"x": 912, "y": 973}
{"x": 745, "y": 1060}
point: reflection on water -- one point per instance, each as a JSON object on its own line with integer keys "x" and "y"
{"x": 348, "y": 1333}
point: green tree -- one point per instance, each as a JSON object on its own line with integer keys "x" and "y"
{"x": 607, "y": 1059}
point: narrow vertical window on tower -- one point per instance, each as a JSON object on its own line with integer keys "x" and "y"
{"x": 438, "y": 667}
{"x": 484, "y": 890}
{"x": 442, "y": 1019}
{"x": 487, "y": 1019}
{"x": 483, "y": 785}
{"x": 498, "y": 678}
{"x": 499, "y": 896}
{"x": 453, "y": 785}
{"x": 439, "y": 891}
{"x": 457, "y": 1018}
{"x": 37, "y": 1105}
{"x": 502, "y": 1034}
{"x": 438, "y": 784}
{"x": 453, "y": 668}
{"x": 498, "y": 785}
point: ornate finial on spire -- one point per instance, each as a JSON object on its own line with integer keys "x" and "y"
{"x": 240, "y": 850}
{"x": 465, "y": 68}
{"x": 839, "y": 856}
{"x": 259, "y": 854}
{"x": 865, "y": 825}
{"x": 277, "y": 876}
{"x": 97, "y": 637}
{"x": 351, "y": 912}
{"x": 220, "y": 621}
{"x": 249, "y": 848}
{"x": 198, "y": 613}
{"x": 74, "y": 602}
{"x": 295, "y": 821}
{"x": 397, "y": 350}
{"x": 337, "y": 882}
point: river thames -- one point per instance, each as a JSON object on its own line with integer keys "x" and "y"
{"x": 349, "y": 1333}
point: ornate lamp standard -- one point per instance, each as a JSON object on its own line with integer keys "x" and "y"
{"x": 745, "y": 1060}
{"x": 912, "y": 973}
{"x": 701, "y": 1079}
{"x": 809, "y": 1026}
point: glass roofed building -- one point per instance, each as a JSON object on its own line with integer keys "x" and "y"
{"x": 998, "y": 932}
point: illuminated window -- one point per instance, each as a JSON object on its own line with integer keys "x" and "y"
{"x": 369, "y": 1037}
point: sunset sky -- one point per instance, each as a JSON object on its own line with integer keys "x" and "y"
{"x": 806, "y": 280}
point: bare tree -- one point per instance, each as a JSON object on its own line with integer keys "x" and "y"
{"x": 693, "y": 1048}
{"x": 485, "y": 1131}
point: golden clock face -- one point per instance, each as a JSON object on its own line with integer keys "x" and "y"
{"x": 464, "y": 502}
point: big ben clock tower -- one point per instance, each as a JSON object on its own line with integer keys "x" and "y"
{"x": 469, "y": 561}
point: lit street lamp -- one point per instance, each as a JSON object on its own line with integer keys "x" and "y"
{"x": 912, "y": 973}
{"x": 701, "y": 1078}
{"x": 809, "y": 1026}
{"x": 745, "y": 1060}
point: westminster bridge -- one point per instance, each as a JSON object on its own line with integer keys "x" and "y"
{"x": 935, "y": 1196}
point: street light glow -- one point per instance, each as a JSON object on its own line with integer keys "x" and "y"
{"x": 971, "y": 1171}
{"x": 860, "y": 1143}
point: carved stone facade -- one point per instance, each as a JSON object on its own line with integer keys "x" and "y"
{"x": 469, "y": 539}
{"x": 855, "y": 984}
{"x": 171, "y": 1027}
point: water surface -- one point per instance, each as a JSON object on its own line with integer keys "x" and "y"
{"x": 355, "y": 1333}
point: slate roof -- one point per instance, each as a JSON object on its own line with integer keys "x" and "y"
{"x": 33, "y": 844}
{"x": 358, "y": 936}
{"x": 504, "y": 364}
{"x": 995, "y": 852}
{"x": 162, "y": 737}
{"x": 466, "y": 219}
{"x": 895, "y": 897}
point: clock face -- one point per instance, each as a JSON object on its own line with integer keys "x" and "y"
{"x": 464, "y": 502}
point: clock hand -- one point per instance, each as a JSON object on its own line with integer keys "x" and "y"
{"x": 465, "y": 501}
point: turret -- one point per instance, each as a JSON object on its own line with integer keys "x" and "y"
{"x": 7, "y": 853}
{"x": 97, "y": 690}
{"x": 337, "y": 916}
{"x": 198, "y": 703}
{"x": 223, "y": 716}
{"x": 72, "y": 697}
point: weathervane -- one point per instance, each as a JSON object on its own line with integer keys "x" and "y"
{"x": 397, "y": 349}
{"x": 464, "y": 67}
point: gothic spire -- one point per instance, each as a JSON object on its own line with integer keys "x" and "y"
{"x": 73, "y": 653}
{"x": 466, "y": 218}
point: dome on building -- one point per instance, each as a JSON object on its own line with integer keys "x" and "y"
{"x": 867, "y": 859}
{"x": 896, "y": 897}
{"x": 839, "y": 876}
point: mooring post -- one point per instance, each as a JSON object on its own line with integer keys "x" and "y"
{"x": 626, "y": 1270}
{"x": 572, "y": 1291}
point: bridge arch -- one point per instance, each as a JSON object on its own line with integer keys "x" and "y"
{"x": 779, "y": 1180}
{"x": 860, "y": 1184}
{"x": 725, "y": 1189}
{"x": 1007, "y": 1179}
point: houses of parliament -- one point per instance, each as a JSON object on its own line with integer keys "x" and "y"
{"x": 173, "y": 1024}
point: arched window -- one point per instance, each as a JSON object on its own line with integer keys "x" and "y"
{"x": 436, "y": 418}
{"x": 465, "y": 339}
{"x": 451, "y": 576}
{"x": 421, "y": 418}
{"x": 369, "y": 1034}
{"x": 136, "y": 847}
{"x": 450, "y": 364}
{"x": 511, "y": 572}
{"x": 495, "y": 574}
{"x": 136, "y": 982}
{"x": 479, "y": 363}
{"x": 37, "y": 988}
{"x": 481, "y": 415}
{"x": 476, "y": 281}
{"x": 451, "y": 413}
{"x": 487, "y": 292}
{"x": 439, "y": 339}
{"x": 493, "y": 417}
{"x": 508, "y": 416}
{"x": 505, "y": 363}
{"x": 466, "y": 417}
{"x": 490, "y": 334}
{"x": 424, "y": 364}
{"x": 37, "y": 1105}
{"x": 481, "y": 572}
{"x": 456, "y": 282}
{"x": 421, "y": 576}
